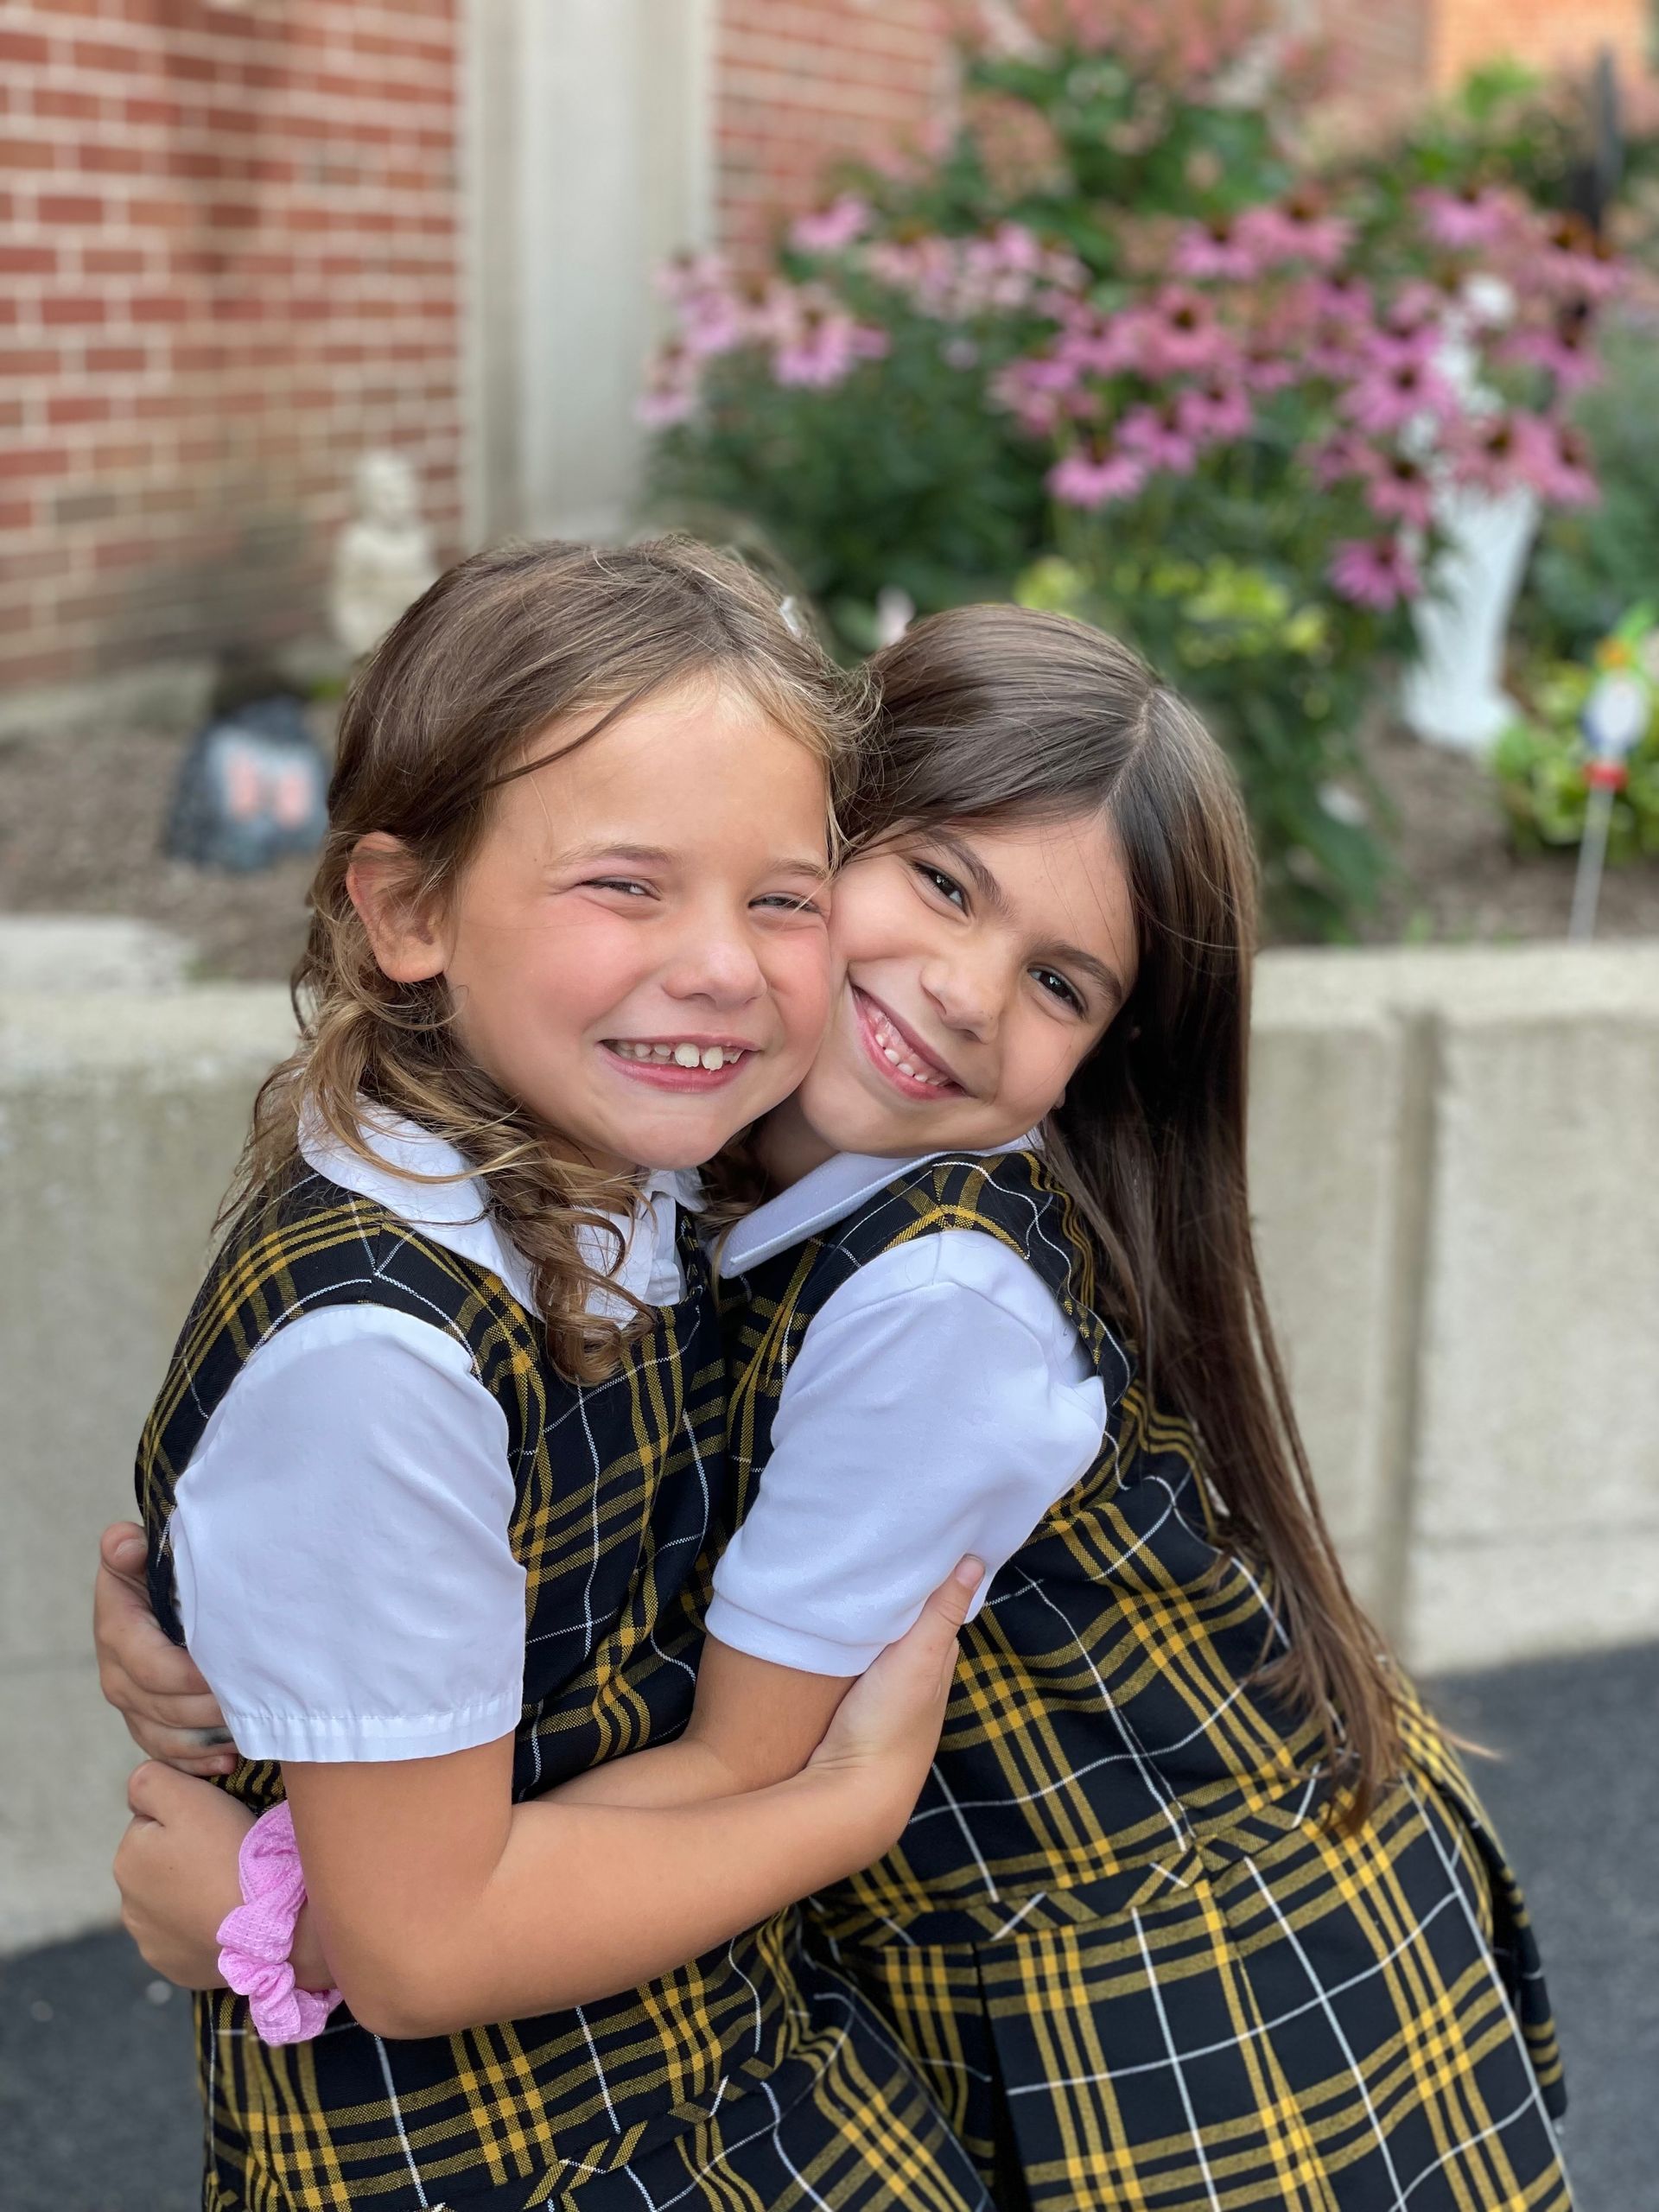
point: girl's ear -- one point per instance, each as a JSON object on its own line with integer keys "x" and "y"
{"x": 407, "y": 947}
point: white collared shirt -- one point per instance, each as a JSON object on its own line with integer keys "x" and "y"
{"x": 345, "y": 1578}
{"x": 939, "y": 1403}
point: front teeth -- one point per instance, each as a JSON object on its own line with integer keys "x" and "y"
{"x": 887, "y": 1038}
{"x": 683, "y": 1056}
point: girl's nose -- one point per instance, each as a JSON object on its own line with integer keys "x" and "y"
{"x": 965, "y": 993}
{"x": 716, "y": 963}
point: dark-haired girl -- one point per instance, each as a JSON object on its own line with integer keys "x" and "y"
{"x": 1198, "y": 1911}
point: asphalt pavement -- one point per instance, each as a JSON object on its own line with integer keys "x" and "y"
{"x": 98, "y": 2102}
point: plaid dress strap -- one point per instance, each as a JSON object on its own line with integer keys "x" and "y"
{"x": 620, "y": 1498}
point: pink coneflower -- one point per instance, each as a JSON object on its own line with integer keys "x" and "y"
{"x": 1548, "y": 456}
{"x": 1563, "y": 350}
{"x": 1385, "y": 398}
{"x": 1337, "y": 361}
{"x": 1399, "y": 491}
{"x": 1500, "y": 454}
{"x": 1375, "y": 572}
{"x": 1477, "y": 216}
{"x": 684, "y": 274}
{"x": 1344, "y": 300}
{"x": 1214, "y": 250}
{"x": 824, "y": 348}
{"x": 712, "y": 322}
{"x": 831, "y": 229}
{"x": 1575, "y": 264}
{"x": 1096, "y": 477}
{"x": 1405, "y": 341}
{"x": 1338, "y": 458}
{"x": 1215, "y": 412}
{"x": 1154, "y": 434}
{"x": 1180, "y": 336}
{"x": 1037, "y": 410}
{"x": 671, "y": 396}
{"x": 1297, "y": 229}
{"x": 1265, "y": 366}
{"x": 1051, "y": 371}
{"x": 1106, "y": 345}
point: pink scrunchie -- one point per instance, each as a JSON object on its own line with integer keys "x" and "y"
{"x": 256, "y": 1937}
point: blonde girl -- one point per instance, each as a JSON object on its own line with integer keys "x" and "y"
{"x": 430, "y": 1482}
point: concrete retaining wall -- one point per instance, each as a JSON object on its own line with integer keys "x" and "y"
{"x": 1455, "y": 1176}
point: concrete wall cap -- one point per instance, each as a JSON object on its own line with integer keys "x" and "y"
{"x": 44, "y": 1035}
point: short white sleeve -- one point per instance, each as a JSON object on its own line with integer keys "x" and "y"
{"x": 939, "y": 1404}
{"x": 345, "y": 1578}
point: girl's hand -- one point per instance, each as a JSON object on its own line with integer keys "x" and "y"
{"x": 886, "y": 1728}
{"x": 177, "y": 1874}
{"x": 153, "y": 1684}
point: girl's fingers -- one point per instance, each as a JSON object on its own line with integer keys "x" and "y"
{"x": 131, "y": 1643}
{"x": 121, "y": 1549}
{"x": 933, "y": 1639}
{"x": 157, "y": 1793}
{"x": 200, "y": 1751}
{"x": 141, "y": 1792}
{"x": 954, "y": 1596}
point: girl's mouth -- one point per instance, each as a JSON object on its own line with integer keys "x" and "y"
{"x": 894, "y": 1051}
{"x": 694, "y": 1064}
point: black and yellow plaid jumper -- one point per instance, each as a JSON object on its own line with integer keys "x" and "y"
{"x": 1136, "y": 1967}
{"x": 750, "y": 2078}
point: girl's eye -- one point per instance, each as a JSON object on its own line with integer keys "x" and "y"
{"x": 790, "y": 902}
{"x": 1057, "y": 987}
{"x": 946, "y": 886}
{"x": 622, "y": 883}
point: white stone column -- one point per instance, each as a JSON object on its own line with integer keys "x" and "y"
{"x": 589, "y": 162}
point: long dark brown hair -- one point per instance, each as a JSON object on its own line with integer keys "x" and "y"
{"x": 999, "y": 713}
{"x": 513, "y": 655}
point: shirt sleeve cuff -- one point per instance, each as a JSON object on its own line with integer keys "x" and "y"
{"x": 370, "y": 1739}
{"x": 742, "y": 1630}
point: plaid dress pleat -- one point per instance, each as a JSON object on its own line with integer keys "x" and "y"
{"x": 1122, "y": 1938}
{"x": 751, "y": 2077}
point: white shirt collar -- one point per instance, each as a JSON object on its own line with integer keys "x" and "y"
{"x": 824, "y": 1195}
{"x": 456, "y": 1214}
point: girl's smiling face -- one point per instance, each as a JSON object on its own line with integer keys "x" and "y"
{"x": 977, "y": 966}
{"x": 637, "y": 949}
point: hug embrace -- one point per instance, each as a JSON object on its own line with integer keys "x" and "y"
{"x": 730, "y": 1482}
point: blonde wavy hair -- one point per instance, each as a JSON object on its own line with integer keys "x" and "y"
{"x": 504, "y": 646}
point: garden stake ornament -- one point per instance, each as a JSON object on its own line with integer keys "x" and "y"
{"x": 1615, "y": 716}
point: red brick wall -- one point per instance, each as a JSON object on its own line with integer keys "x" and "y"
{"x": 1380, "y": 56}
{"x": 228, "y": 239}
{"x": 1547, "y": 34}
{"x": 802, "y": 83}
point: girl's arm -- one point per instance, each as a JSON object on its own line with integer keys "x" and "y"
{"x": 430, "y": 1892}
{"x": 938, "y": 1404}
{"x": 754, "y": 1723}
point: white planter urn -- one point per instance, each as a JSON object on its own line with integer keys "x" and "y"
{"x": 1454, "y": 695}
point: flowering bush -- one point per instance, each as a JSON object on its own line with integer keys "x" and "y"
{"x": 1108, "y": 342}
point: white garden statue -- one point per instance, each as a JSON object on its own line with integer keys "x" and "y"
{"x": 383, "y": 558}
{"x": 1454, "y": 695}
